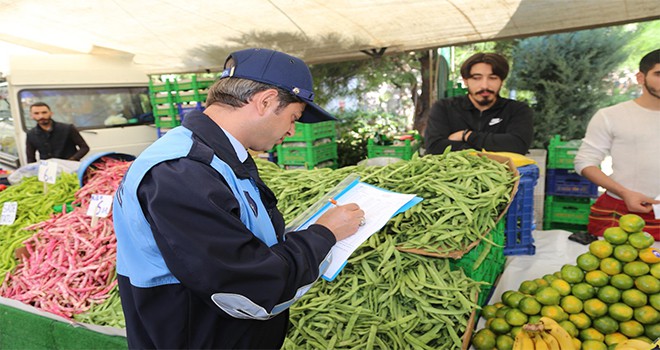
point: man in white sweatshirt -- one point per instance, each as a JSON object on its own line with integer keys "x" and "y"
{"x": 630, "y": 133}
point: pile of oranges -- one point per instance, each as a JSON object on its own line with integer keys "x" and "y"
{"x": 611, "y": 294}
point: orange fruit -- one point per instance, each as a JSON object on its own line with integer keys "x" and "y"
{"x": 591, "y": 334}
{"x": 593, "y": 345}
{"x": 655, "y": 270}
{"x": 634, "y": 298}
{"x": 541, "y": 282}
{"x": 515, "y": 317}
{"x": 601, "y": 249}
{"x": 554, "y": 312}
{"x": 636, "y": 268}
{"x": 570, "y": 328}
{"x": 625, "y": 253}
{"x": 571, "y": 304}
{"x": 548, "y": 296}
{"x": 646, "y": 315}
{"x": 609, "y": 294}
{"x": 588, "y": 262}
{"x": 581, "y": 320}
{"x": 529, "y": 306}
{"x": 489, "y": 311}
{"x": 606, "y": 325}
{"x": 647, "y": 284}
{"x": 572, "y": 273}
{"x": 484, "y": 339}
{"x": 611, "y": 266}
{"x": 514, "y": 331}
{"x": 502, "y": 311}
{"x": 631, "y": 329}
{"x": 513, "y": 299}
{"x": 631, "y": 223}
{"x": 528, "y": 287}
{"x": 620, "y": 312}
{"x": 649, "y": 255}
{"x": 597, "y": 278}
{"x": 504, "y": 341}
{"x": 622, "y": 281}
{"x": 595, "y": 308}
{"x": 549, "y": 277}
{"x": 652, "y": 330}
{"x": 499, "y": 326}
{"x": 563, "y": 287}
{"x": 583, "y": 291}
{"x": 654, "y": 300}
{"x": 615, "y": 338}
{"x": 641, "y": 240}
{"x": 615, "y": 235}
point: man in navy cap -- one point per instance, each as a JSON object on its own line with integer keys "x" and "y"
{"x": 201, "y": 257}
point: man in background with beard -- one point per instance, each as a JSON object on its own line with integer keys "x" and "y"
{"x": 52, "y": 139}
{"x": 482, "y": 119}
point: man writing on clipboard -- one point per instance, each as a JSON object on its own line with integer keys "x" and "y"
{"x": 201, "y": 256}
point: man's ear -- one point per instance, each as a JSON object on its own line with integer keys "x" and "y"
{"x": 265, "y": 99}
{"x": 640, "y": 78}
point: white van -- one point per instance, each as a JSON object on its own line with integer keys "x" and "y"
{"x": 105, "y": 97}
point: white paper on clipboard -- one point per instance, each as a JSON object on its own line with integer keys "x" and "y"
{"x": 379, "y": 205}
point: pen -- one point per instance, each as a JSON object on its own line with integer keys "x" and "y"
{"x": 333, "y": 201}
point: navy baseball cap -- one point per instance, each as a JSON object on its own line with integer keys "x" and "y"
{"x": 279, "y": 69}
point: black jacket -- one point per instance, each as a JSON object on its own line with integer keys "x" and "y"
{"x": 505, "y": 127}
{"x": 63, "y": 141}
{"x": 195, "y": 220}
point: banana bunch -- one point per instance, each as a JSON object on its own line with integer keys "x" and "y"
{"x": 545, "y": 335}
{"x": 634, "y": 344}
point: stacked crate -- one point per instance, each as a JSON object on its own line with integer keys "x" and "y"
{"x": 569, "y": 196}
{"x": 314, "y": 145}
{"x": 485, "y": 262}
{"x": 172, "y": 98}
{"x": 402, "y": 147}
{"x": 519, "y": 218}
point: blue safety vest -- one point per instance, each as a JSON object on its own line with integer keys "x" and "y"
{"x": 138, "y": 256}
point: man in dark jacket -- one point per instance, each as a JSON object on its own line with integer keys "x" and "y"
{"x": 202, "y": 259}
{"x": 482, "y": 119}
{"x": 52, "y": 139}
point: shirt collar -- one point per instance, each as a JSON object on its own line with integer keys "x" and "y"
{"x": 241, "y": 153}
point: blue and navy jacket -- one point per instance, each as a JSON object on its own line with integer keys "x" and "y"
{"x": 201, "y": 256}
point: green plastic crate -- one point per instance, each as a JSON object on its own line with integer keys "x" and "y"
{"x": 309, "y": 132}
{"x": 561, "y": 154}
{"x": 404, "y": 151}
{"x": 564, "y": 227}
{"x": 163, "y": 97}
{"x": 194, "y": 83}
{"x": 309, "y": 156}
{"x": 490, "y": 268}
{"x": 160, "y": 86}
{"x": 567, "y": 210}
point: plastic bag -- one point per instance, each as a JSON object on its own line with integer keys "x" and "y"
{"x": 32, "y": 169}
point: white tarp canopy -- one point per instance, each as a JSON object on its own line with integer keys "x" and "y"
{"x": 193, "y": 35}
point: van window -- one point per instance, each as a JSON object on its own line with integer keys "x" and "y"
{"x": 7, "y": 139}
{"x": 90, "y": 108}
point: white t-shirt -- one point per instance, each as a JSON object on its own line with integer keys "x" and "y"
{"x": 631, "y": 135}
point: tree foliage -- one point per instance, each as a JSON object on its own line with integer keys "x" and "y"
{"x": 565, "y": 74}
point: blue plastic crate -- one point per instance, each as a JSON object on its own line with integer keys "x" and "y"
{"x": 565, "y": 182}
{"x": 519, "y": 219}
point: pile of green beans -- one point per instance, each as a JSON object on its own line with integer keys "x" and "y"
{"x": 463, "y": 193}
{"x": 385, "y": 299}
{"x": 32, "y": 207}
{"x": 109, "y": 313}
